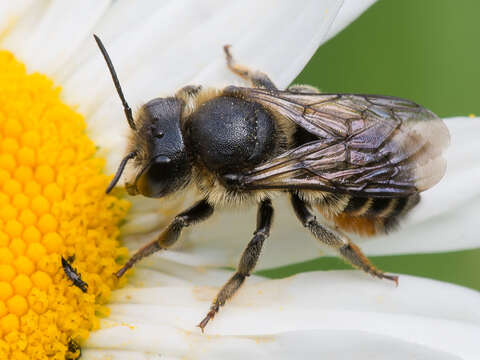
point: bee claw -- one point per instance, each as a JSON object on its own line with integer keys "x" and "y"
{"x": 228, "y": 56}
{"x": 206, "y": 319}
{"x": 226, "y": 49}
{"x": 202, "y": 327}
{"x": 393, "y": 278}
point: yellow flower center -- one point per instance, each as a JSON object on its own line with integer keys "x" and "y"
{"x": 52, "y": 204}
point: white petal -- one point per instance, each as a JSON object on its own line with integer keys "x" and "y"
{"x": 444, "y": 220}
{"x": 181, "y": 43}
{"x": 268, "y": 318}
{"x": 157, "y": 48}
{"x": 303, "y": 344}
{"x": 351, "y": 9}
{"x": 11, "y": 11}
{"x": 51, "y": 32}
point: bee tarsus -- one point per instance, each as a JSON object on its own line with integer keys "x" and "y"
{"x": 247, "y": 261}
{"x": 198, "y": 212}
{"x": 257, "y": 78}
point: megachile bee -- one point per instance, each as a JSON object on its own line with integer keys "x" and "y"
{"x": 360, "y": 160}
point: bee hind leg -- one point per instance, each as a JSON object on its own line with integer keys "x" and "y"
{"x": 257, "y": 78}
{"x": 347, "y": 249}
{"x": 198, "y": 212}
{"x": 247, "y": 262}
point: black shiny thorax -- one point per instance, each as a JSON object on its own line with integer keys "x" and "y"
{"x": 229, "y": 134}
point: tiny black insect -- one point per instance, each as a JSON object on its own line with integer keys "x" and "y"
{"x": 72, "y": 274}
{"x": 361, "y": 161}
{"x": 73, "y": 347}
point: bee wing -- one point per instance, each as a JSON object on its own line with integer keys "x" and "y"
{"x": 367, "y": 145}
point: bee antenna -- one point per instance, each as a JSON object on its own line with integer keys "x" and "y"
{"x": 126, "y": 108}
{"x": 119, "y": 172}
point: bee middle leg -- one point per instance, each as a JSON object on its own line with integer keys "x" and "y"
{"x": 257, "y": 78}
{"x": 347, "y": 249}
{"x": 198, "y": 212}
{"x": 247, "y": 262}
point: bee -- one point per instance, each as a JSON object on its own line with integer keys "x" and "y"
{"x": 359, "y": 160}
{"x": 73, "y": 348}
{"x": 72, "y": 273}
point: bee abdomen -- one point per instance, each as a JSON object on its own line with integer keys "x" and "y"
{"x": 371, "y": 216}
{"x": 401, "y": 207}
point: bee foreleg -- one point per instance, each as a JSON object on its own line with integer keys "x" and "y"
{"x": 347, "y": 249}
{"x": 247, "y": 262}
{"x": 257, "y": 78}
{"x": 198, "y": 212}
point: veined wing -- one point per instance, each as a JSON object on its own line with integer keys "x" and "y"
{"x": 367, "y": 145}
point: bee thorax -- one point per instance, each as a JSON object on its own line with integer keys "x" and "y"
{"x": 229, "y": 135}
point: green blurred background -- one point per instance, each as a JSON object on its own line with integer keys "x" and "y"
{"x": 424, "y": 50}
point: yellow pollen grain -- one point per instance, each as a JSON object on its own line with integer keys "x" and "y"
{"x": 9, "y": 145}
{"x": 6, "y": 290}
{"x": 22, "y": 284}
{"x": 6, "y": 256}
{"x": 32, "y": 188}
{"x": 4, "y": 239}
{"x": 7, "y": 272}
{"x": 27, "y": 218}
{"x": 31, "y": 233}
{"x": 52, "y": 242}
{"x": 8, "y": 212}
{"x": 23, "y": 174}
{"x": 40, "y": 205}
{"x": 26, "y": 156}
{"x": 21, "y": 201}
{"x": 13, "y": 228}
{"x": 24, "y": 265}
{"x": 52, "y": 204}
{"x": 12, "y": 187}
{"x": 17, "y": 305}
{"x": 41, "y": 280}
{"x": 36, "y": 251}
{"x": 7, "y": 162}
{"x": 52, "y": 192}
{"x": 47, "y": 223}
{"x": 9, "y": 323}
{"x": 18, "y": 246}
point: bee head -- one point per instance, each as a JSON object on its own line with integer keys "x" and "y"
{"x": 156, "y": 144}
{"x": 160, "y": 154}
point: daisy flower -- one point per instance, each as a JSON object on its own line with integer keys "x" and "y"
{"x": 62, "y": 130}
